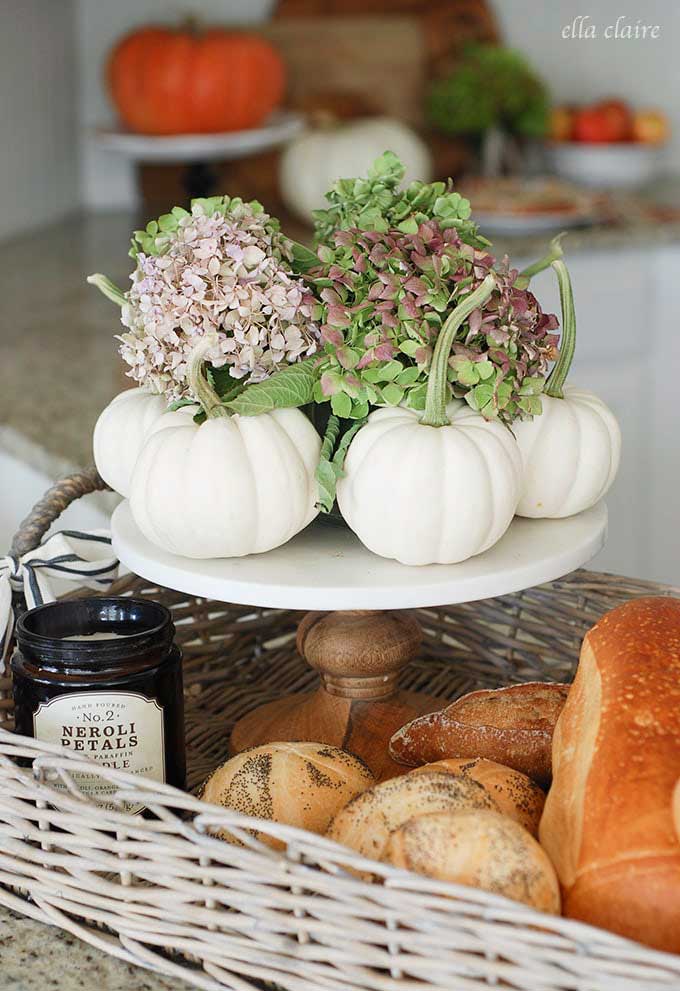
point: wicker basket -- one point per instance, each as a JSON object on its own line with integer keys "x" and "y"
{"x": 166, "y": 894}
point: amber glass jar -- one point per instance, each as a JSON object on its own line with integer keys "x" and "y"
{"x": 102, "y": 678}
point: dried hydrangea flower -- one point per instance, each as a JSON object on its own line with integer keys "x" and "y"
{"x": 386, "y": 295}
{"x": 222, "y": 268}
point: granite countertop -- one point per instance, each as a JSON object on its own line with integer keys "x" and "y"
{"x": 58, "y": 360}
{"x": 69, "y": 965}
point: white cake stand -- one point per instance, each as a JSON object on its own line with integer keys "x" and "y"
{"x": 197, "y": 151}
{"x": 357, "y": 637}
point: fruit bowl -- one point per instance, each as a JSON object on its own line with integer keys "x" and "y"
{"x": 625, "y": 165}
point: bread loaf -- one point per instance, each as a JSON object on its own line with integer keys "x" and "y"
{"x": 608, "y": 820}
{"x": 483, "y": 849}
{"x": 300, "y": 784}
{"x": 514, "y": 793}
{"x": 366, "y": 822}
{"x": 512, "y": 725}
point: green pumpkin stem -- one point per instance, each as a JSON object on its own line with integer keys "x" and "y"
{"x": 438, "y": 393}
{"x": 110, "y": 289}
{"x": 558, "y": 376}
{"x": 200, "y": 388}
{"x": 553, "y": 253}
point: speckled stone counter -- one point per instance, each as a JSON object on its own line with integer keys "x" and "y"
{"x": 34, "y": 957}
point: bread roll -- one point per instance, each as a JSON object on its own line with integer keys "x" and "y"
{"x": 608, "y": 820}
{"x": 300, "y": 784}
{"x": 481, "y": 848}
{"x": 514, "y": 793}
{"x": 366, "y": 822}
{"x": 512, "y": 725}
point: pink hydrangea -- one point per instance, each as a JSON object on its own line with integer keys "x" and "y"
{"x": 221, "y": 270}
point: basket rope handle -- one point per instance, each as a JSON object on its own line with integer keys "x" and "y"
{"x": 52, "y": 505}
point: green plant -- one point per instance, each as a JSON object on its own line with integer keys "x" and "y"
{"x": 376, "y": 202}
{"x": 490, "y": 87}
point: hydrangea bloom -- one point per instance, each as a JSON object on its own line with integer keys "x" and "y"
{"x": 386, "y": 296}
{"x": 225, "y": 268}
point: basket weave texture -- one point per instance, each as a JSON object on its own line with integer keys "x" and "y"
{"x": 165, "y": 893}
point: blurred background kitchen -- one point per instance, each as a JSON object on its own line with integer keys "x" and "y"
{"x": 552, "y": 116}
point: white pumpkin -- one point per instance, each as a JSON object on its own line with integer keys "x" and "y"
{"x": 430, "y": 495}
{"x": 313, "y": 162}
{"x": 122, "y": 428}
{"x": 232, "y": 486}
{"x": 571, "y": 455}
{"x": 571, "y": 451}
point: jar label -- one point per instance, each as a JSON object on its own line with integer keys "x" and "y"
{"x": 121, "y": 730}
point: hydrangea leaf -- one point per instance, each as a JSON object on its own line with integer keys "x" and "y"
{"x": 289, "y": 387}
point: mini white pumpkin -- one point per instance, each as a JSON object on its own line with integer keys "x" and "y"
{"x": 122, "y": 428}
{"x": 432, "y": 488}
{"x": 234, "y": 485}
{"x": 314, "y": 161}
{"x": 571, "y": 452}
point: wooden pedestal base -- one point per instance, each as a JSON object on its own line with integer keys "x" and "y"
{"x": 359, "y": 655}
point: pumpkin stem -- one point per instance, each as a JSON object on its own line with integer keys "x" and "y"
{"x": 198, "y": 383}
{"x": 553, "y": 253}
{"x": 437, "y": 394}
{"x": 110, "y": 289}
{"x": 558, "y": 376}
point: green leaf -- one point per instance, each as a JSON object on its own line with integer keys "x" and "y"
{"x": 480, "y": 396}
{"x": 415, "y": 398}
{"x": 532, "y": 386}
{"x": 167, "y": 222}
{"x": 289, "y": 387}
{"x": 390, "y": 370}
{"x": 408, "y": 226}
{"x": 341, "y": 404}
{"x": 408, "y": 377}
{"x": 303, "y": 258}
{"x": 373, "y": 374}
{"x": 332, "y": 460}
{"x": 410, "y": 347}
{"x": 484, "y": 369}
{"x": 392, "y": 394}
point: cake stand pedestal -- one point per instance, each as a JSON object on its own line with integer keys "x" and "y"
{"x": 358, "y": 637}
{"x": 198, "y": 154}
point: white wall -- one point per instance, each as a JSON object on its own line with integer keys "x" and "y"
{"x": 38, "y": 113}
{"x": 646, "y": 72}
{"x": 107, "y": 179}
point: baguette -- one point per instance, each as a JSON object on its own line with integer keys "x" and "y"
{"x": 512, "y": 725}
{"x": 608, "y": 821}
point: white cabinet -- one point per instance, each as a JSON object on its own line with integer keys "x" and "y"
{"x": 628, "y": 351}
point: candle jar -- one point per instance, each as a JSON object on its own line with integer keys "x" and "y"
{"x": 102, "y": 678}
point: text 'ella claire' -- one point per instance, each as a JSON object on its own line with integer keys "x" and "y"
{"x": 583, "y": 28}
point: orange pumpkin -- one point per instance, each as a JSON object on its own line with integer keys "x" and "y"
{"x": 183, "y": 82}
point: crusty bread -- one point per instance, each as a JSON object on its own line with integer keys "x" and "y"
{"x": 300, "y": 784}
{"x": 366, "y": 822}
{"x": 514, "y": 793}
{"x": 676, "y": 808}
{"x": 481, "y": 848}
{"x": 608, "y": 819}
{"x": 512, "y": 725}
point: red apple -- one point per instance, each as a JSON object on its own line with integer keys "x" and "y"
{"x": 619, "y": 117}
